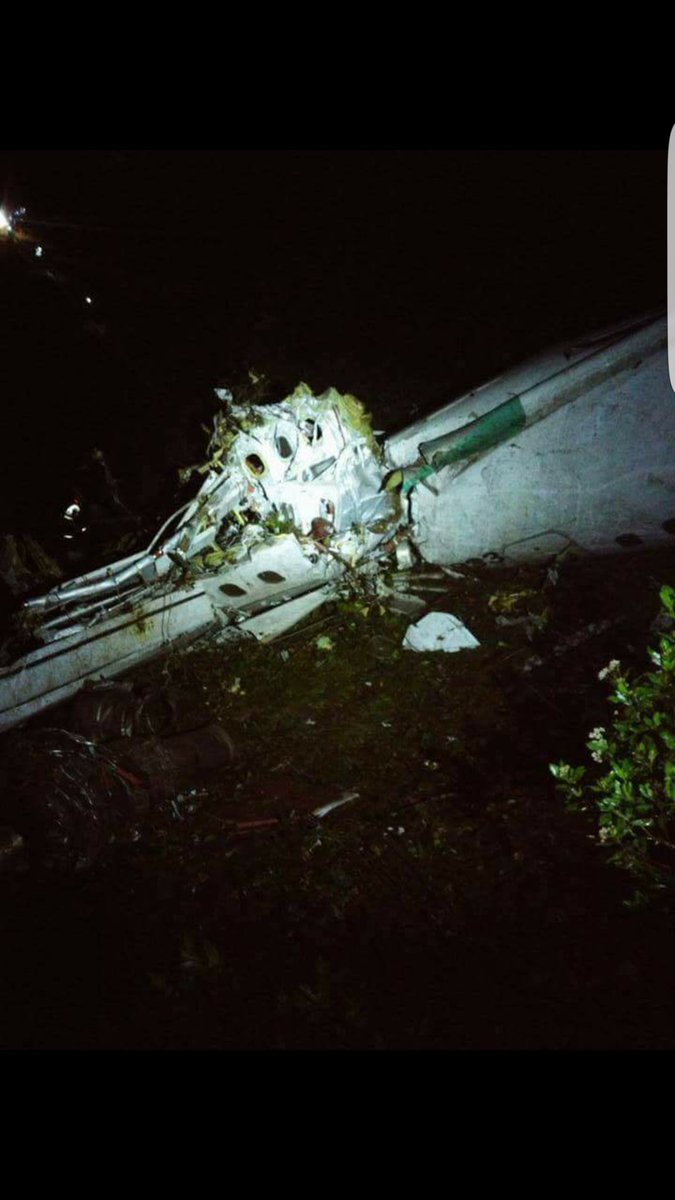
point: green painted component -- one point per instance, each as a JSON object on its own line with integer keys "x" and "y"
{"x": 423, "y": 473}
{"x": 486, "y": 432}
{"x": 482, "y": 434}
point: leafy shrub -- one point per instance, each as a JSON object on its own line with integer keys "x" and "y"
{"x": 635, "y": 795}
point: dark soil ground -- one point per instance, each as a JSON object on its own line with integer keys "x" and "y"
{"x": 454, "y": 904}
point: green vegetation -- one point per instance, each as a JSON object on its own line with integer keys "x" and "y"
{"x": 278, "y": 523}
{"x": 635, "y": 794}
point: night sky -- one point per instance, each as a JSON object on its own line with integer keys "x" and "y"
{"x": 405, "y": 276}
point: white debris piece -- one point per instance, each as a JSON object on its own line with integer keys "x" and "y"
{"x": 346, "y": 798}
{"x": 439, "y": 631}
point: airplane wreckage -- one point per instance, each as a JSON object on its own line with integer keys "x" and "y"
{"x": 300, "y": 499}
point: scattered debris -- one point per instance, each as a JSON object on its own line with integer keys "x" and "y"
{"x": 439, "y": 631}
{"x": 299, "y": 502}
{"x": 167, "y": 762}
{"x": 70, "y": 796}
{"x": 325, "y": 809}
{"x": 324, "y": 643}
{"x": 510, "y": 602}
{"x": 113, "y": 709}
{"x": 407, "y": 606}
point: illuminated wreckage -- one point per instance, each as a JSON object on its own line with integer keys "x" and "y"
{"x": 300, "y": 500}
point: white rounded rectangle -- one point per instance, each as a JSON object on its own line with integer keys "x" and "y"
{"x": 670, "y": 256}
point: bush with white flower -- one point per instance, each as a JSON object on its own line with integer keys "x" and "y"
{"x": 634, "y": 795}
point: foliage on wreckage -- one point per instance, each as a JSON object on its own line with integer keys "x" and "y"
{"x": 299, "y": 500}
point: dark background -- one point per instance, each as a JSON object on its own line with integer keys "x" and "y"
{"x": 404, "y": 276}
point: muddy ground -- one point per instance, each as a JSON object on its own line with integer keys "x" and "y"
{"x": 451, "y": 904}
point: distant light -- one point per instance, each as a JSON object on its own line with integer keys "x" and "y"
{"x": 38, "y": 251}
{"x": 88, "y": 299}
{"x": 5, "y": 222}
